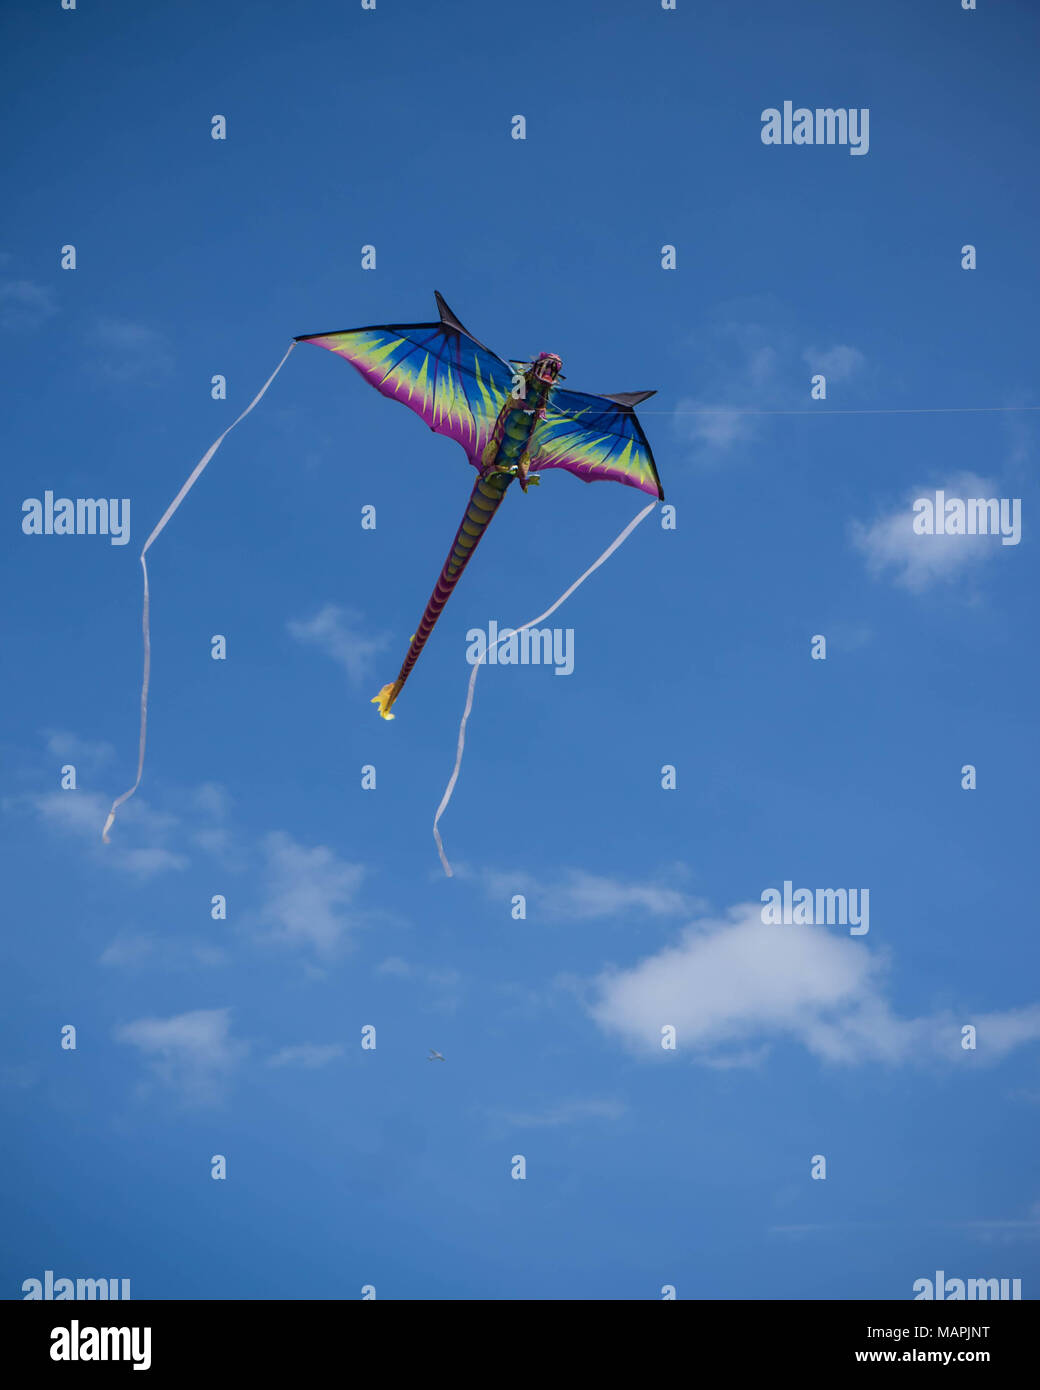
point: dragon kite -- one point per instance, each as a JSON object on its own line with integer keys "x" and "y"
{"x": 510, "y": 417}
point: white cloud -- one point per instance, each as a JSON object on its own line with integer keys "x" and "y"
{"x": 308, "y": 1055}
{"x": 745, "y": 366}
{"x": 69, "y": 748}
{"x": 837, "y": 363}
{"x": 1005, "y": 1231}
{"x": 133, "y": 949}
{"x": 566, "y": 1113}
{"x": 25, "y": 305}
{"x": 310, "y": 893}
{"x": 335, "y": 632}
{"x": 193, "y": 1053}
{"x": 82, "y": 814}
{"x": 444, "y": 985}
{"x": 395, "y": 965}
{"x": 918, "y": 562}
{"x": 577, "y": 895}
{"x": 123, "y": 351}
{"x": 732, "y": 983}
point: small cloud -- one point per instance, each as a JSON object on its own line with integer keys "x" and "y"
{"x": 213, "y": 800}
{"x": 836, "y": 363}
{"x": 310, "y": 893}
{"x": 25, "y": 305}
{"x": 394, "y": 965}
{"x": 130, "y": 950}
{"x": 82, "y": 814}
{"x": 917, "y": 562}
{"x": 715, "y": 426}
{"x": 310, "y": 1055}
{"x": 193, "y": 1053}
{"x": 747, "y": 364}
{"x": 69, "y": 748}
{"x": 124, "y": 351}
{"x": 577, "y": 895}
{"x": 1005, "y": 1231}
{"x": 17, "y": 1076}
{"x": 335, "y": 632}
{"x": 446, "y": 984}
{"x": 567, "y": 1113}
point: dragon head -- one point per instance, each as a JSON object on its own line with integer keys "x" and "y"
{"x": 546, "y": 368}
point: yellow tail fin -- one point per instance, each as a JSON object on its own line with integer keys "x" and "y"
{"x": 386, "y": 698}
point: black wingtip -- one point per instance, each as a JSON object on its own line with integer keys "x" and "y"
{"x": 628, "y": 399}
{"x": 446, "y": 315}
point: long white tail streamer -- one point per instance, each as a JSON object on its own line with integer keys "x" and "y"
{"x": 512, "y": 633}
{"x": 192, "y": 479}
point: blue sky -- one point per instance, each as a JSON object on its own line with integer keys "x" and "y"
{"x": 197, "y": 1037}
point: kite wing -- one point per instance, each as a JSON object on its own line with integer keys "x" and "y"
{"x": 439, "y": 370}
{"x": 596, "y": 437}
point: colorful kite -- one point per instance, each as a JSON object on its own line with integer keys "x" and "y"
{"x": 510, "y": 418}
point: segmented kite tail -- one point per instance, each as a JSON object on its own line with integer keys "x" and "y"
{"x": 484, "y": 502}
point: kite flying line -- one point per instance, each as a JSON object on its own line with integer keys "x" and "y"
{"x": 511, "y": 418}
{"x": 477, "y": 665}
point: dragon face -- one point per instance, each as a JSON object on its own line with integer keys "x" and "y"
{"x": 546, "y": 368}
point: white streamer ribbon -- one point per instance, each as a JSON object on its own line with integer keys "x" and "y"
{"x": 477, "y": 665}
{"x": 192, "y": 479}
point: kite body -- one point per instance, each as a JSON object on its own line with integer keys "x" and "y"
{"x": 510, "y": 418}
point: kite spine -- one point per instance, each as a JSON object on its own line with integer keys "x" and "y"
{"x": 484, "y": 502}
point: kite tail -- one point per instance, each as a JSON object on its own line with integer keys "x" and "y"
{"x": 624, "y": 535}
{"x": 484, "y": 502}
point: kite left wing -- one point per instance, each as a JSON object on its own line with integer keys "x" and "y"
{"x": 596, "y": 438}
{"x": 439, "y": 370}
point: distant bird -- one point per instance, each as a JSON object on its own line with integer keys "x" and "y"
{"x": 434, "y": 1056}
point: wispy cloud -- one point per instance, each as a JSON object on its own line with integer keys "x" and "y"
{"x": 69, "y": 748}
{"x": 82, "y": 814}
{"x": 337, "y": 633}
{"x": 1004, "y": 1231}
{"x": 309, "y": 1055}
{"x": 566, "y": 1113}
{"x": 837, "y": 363}
{"x": 732, "y": 983}
{"x": 745, "y": 363}
{"x": 26, "y": 305}
{"x": 445, "y": 985}
{"x": 193, "y": 1054}
{"x": 310, "y": 893}
{"x": 123, "y": 351}
{"x": 130, "y": 950}
{"x": 578, "y": 895}
{"x": 915, "y": 562}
